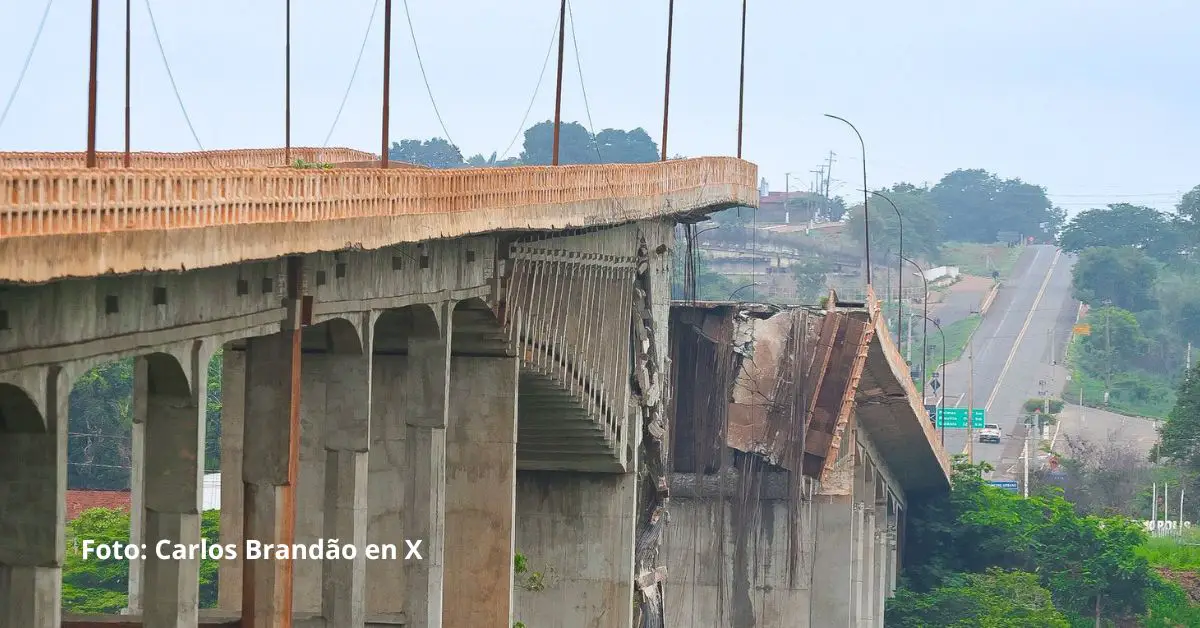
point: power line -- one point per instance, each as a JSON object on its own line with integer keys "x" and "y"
{"x": 424, "y": 77}
{"x": 28, "y": 58}
{"x": 538, "y": 86}
{"x": 171, "y": 76}
{"x": 354, "y": 72}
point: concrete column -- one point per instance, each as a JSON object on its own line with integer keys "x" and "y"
{"x": 857, "y": 563}
{"x": 387, "y": 471}
{"x": 869, "y": 541}
{"x": 480, "y": 491}
{"x": 310, "y": 484}
{"x": 271, "y": 398}
{"x": 233, "y": 412}
{"x": 174, "y": 476}
{"x": 580, "y": 527}
{"x": 426, "y": 385}
{"x": 347, "y": 437}
{"x": 882, "y": 565}
{"x": 835, "y": 521}
{"x": 137, "y": 482}
{"x": 33, "y": 485}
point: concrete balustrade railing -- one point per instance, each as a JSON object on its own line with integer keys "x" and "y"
{"x": 237, "y": 158}
{"x": 82, "y": 201}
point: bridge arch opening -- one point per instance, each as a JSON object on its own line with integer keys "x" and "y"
{"x": 336, "y": 335}
{"x": 18, "y": 412}
{"x": 109, "y": 436}
{"x": 476, "y": 330}
{"x": 395, "y": 327}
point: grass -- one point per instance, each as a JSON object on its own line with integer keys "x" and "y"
{"x": 980, "y": 260}
{"x": 958, "y": 334}
{"x": 1132, "y": 392}
{"x": 1171, "y": 553}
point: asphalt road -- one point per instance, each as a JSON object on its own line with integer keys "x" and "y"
{"x": 957, "y": 305}
{"x": 1015, "y": 349}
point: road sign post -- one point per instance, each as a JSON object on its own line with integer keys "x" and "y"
{"x": 956, "y": 418}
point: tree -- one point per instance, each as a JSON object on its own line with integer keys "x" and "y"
{"x": 434, "y": 152}
{"x": 1123, "y": 276}
{"x": 575, "y": 145}
{"x": 100, "y": 418}
{"x": 1100, "y": 478}
{"x": 1189, "y": 207}
{"x": 922, "y": 236}
{"x": 1116, "y": 338}
{"x": 1121, "y": 224}
{"x": 1180, "y": 433}
{"x": 1089, "y": 564}
{"x": 621, "y": 147}
{"x": 995, "y": 599}
{"x": 810, "y": 276}
{"x": 976, "y": 206}
{"x": 101, "y": 586}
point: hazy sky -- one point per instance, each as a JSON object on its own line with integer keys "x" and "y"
{"x": 1094, "y": 99}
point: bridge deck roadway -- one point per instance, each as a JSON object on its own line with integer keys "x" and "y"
{"x": 58, "y": 222}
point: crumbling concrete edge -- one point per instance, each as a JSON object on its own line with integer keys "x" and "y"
{"x": 653, "y": 495}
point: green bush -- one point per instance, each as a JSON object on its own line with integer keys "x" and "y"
{"x": 101, "y": 586}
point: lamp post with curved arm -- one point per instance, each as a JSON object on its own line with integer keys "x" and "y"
{"x": 749, "y": 285}
{"x": 866, "y": 215}
{"x": 943, "y": 412}
{"x": 900, "y": 276}
{"x": 925, "y": 325}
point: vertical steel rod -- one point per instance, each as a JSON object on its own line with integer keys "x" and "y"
{"x": 562, "y": 40}
{"x": 387, "y": 71}
{"x": 128, "y": 159}
{"x": 287, "y": 83}
{"x": 742, "y": 82}
{"x": 93, "y": 53}
{"x": 667, "y": 81}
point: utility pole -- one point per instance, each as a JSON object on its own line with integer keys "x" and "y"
{"x": 908, "y": 342}
{"x": 971, "y": 400}
{"x": 1108, "y": 349}
{"x": 1189, "y": 356}
{"x": 787, "y": 196}
{"x": 828, "y": 174}
{"x": 1025, "y": 484}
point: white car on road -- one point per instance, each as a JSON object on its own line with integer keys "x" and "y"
{"x": 990, "y": 433}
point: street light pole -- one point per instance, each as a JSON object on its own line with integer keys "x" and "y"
{"x": 943, "y": 412}
{"x": 749, "y": 285}
{"x": 866, "y": 214}
{"x": 925, "y": 327}
{"x": 900, "y": 276}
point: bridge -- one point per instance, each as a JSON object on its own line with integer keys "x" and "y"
{"x": 482, "y": 360}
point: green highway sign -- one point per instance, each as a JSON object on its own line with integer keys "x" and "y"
{"x": 957, "y": 418}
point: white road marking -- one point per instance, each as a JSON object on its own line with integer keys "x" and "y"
{"x": 1012, "y": 354}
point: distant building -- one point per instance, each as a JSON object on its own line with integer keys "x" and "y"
{"x": 79, "y": 500}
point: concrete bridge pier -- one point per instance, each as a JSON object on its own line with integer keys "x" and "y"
{"x": 33, "y": 484}
{"x": 173, "y": 469}
{"x": 271, "y": 398}
{"x": 481, "y": 448}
